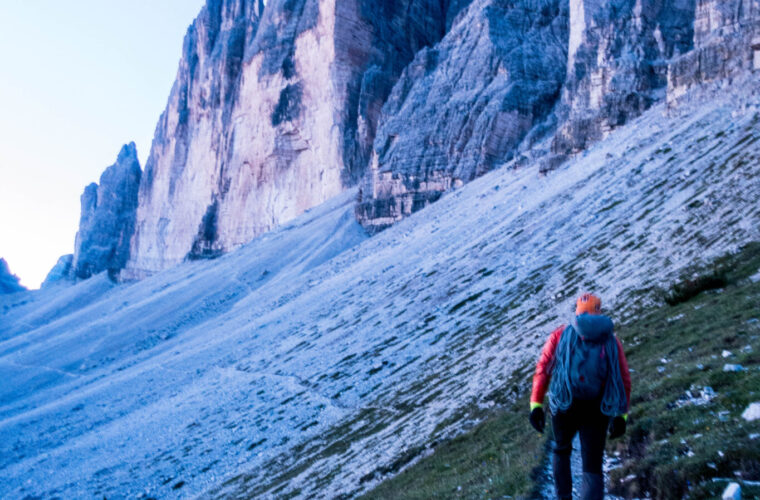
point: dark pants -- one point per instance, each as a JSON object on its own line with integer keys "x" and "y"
{"x": 585, "y": 418}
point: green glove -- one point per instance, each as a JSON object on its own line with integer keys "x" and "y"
{"x": 617, "y": 427}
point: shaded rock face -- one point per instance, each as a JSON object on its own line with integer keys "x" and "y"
{"x": 61, "y": 271}
{"x": 569, "y": 71}
{"x": 726, "y": 45}
{"x": 618, "y": 55}
{"x": 107, "y": 218}
{"x": 9, "y": 283}
{"x": 465, "y": 105}
{"x": 274, "y": 110}
{"x": 381, "y": 38}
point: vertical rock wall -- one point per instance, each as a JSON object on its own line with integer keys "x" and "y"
{"x": 183, "y": 171}
{"x": 273, "y": 112}
{"x": 726, "y": 45}
{"x": 464, "y": 105}
{"x": 618, "y": 56}
{"x": 571, "y": 71}
{"x": 108, "y": 217}
{"x": 277, "y": 108}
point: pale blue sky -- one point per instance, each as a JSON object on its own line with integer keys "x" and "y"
{"x": 78, "y": 79}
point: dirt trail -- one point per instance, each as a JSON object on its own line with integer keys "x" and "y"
{"x": 547, "y": 491}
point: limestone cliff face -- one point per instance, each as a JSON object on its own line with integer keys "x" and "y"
{"x": 618, "y": 56}
{"x": 463, "y": 106}
{"x": 107, "y": 219}
{"x": 512, "y": 73}
{"x": 726, "y": 45}
{"x": 274, "y": 110}
{"x": 182, "y": 171}
{"x": 277, "y": 108}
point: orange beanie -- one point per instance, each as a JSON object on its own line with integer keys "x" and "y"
{"x": 588, "y": 303}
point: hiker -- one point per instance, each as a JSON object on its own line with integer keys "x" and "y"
{"x": 584, "y": 367}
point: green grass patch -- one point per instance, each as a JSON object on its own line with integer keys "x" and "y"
{"x": 676, "y": 444}
{"x": 500, "y": 456}
{"x": 673, "y": 447}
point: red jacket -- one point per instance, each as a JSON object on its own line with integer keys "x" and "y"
{"x": 546, "y": 362}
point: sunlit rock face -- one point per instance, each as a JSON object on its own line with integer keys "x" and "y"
{"x": 463, "y": 106}
{"x": 274, "y": 111}
{"x": 107, "y": 218}
{"x": 618, "y": 55}
{"x": 279, "y": 107}
{"x": 9, "y": 282}
{"x": 726, "y": 45}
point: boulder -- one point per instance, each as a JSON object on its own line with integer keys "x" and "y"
{"x": 752, "y": 412}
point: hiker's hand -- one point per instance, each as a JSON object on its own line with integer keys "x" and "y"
{"x": 617, "y": 428}
{"x": 538, "y": 419}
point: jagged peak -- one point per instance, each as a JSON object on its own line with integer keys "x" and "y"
{"x": 127, "y": 152}
{"x": 127, "y": 165}
{"x": 9, "y": 282}
{"x": 107, "y": 217}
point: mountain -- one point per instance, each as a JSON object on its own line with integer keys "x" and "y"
{"x": 60, "y": 272}
{"x": 356, "y": 225}
{"x": 316, "y": 361}
{"x": 273, "y": 111}
{"x": 106, "y": 223}
{"x": 511, "y": 76}
{"x": 9, "y": 283}
{"x": 277, "y": 108}
{"x": 107, "y": 219}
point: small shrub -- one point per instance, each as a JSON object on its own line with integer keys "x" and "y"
{"x": 690, "y": 288}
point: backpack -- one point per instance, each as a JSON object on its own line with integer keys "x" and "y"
{"x": 586, "y": 366}
{"x": 588, "y": 370}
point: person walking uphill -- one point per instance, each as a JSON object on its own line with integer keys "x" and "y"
{"x": 584, "y": 367}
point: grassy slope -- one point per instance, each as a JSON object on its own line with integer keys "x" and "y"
{"x": 671, "y": 449}
{"x": 661, "y": 449}
{"x": 500, "y": 456}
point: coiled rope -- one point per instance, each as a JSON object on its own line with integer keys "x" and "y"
{"x": 614, "y": 401}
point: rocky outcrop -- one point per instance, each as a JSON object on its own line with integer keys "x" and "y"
{"x": 465, "y": 105}
{"x": 273, "y": 111}
{"x": 726, "y": 45}
{"x": 9, "y": 283}
{"x": 61, "y": 271}
{"x": 107, "y": 219}
{"x": 618, "y": 56}
{"x": 278, "y": 107}
{"x": 512, "y": 74}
